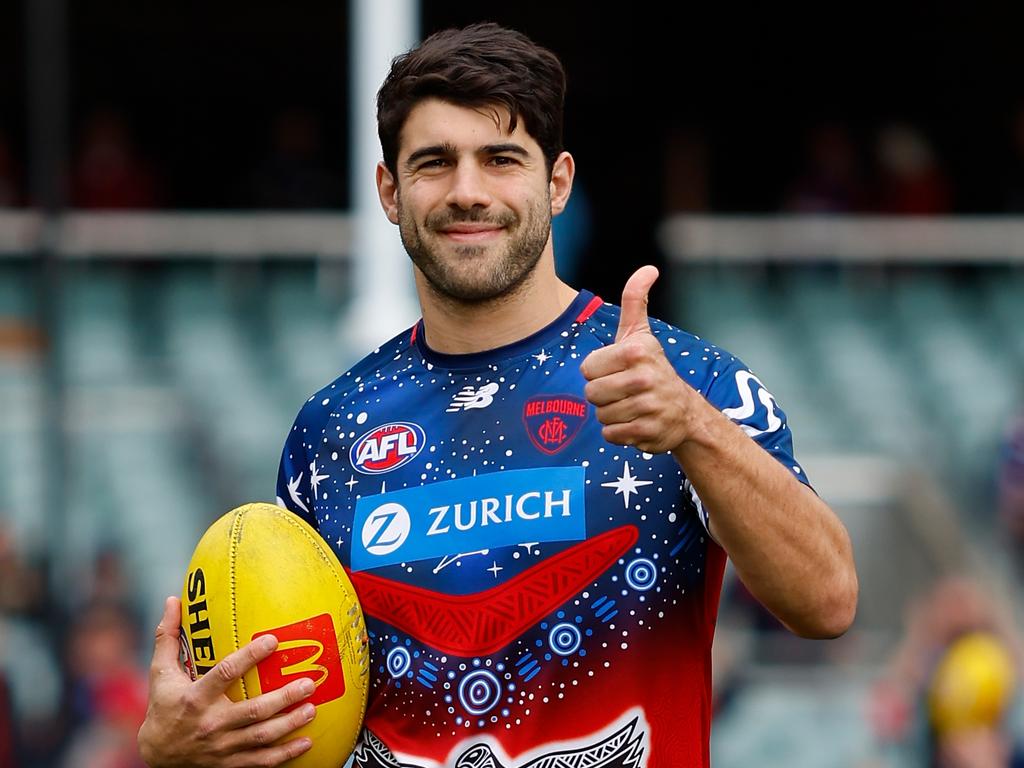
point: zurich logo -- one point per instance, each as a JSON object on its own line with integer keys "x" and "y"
{"x": 387, "y": 447}
{"x": 386, "y": 529}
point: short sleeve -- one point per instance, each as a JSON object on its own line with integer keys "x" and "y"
{"x": 739, "y": 394}
{"x": 293, "y": 477}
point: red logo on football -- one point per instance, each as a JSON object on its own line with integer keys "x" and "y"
{"x": 305, "y": 649}
{"x": 387, "y": 447}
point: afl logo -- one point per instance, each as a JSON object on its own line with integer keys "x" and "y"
{"x": 387, "y": 447}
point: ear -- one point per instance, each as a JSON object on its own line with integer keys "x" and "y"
{"x": 562, "y": 174}
{"x": 387, "y": 190}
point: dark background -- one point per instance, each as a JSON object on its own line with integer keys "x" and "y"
{"x": 203, "y": 87}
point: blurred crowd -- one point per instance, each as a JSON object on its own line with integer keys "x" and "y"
{"x": 72, "y": 683}
{"x": 896, "y": 168}
{"x": 110, "y": 169}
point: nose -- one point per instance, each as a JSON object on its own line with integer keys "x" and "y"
{"x": 468, "y": 187}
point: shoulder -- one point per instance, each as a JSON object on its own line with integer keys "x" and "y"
{"x": 697, "y": 360}
{"x": 379, "y": 364}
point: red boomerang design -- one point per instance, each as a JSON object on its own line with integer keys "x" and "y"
{"x": 481, "y": 623}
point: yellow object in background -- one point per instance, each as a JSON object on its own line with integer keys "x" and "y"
{"x": 973, "y": 684}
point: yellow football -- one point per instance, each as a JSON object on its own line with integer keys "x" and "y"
{"x": 973, "y": 684}
{"x": 262, "y": 570}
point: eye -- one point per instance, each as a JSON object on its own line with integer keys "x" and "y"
{"x": 437, "y": 162}
{"x": 504, "y": 160}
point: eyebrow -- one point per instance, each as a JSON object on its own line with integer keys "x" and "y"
{"x": 450, "y": 149}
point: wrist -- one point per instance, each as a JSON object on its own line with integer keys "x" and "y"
{"x": 699, "y": 421}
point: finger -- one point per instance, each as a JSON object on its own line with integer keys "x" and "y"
{"x": 167, "y": 642}
{"x": 267, "y": 732}
{"x": 633, "y": 317}
{"x": 624, "y": 411}
{"x": 631, "y": 433}
{"x": 266, "y": 705}
{"x": 269, "y": 756}
{"x": 231, "y": 668}
{"x": 616, "y": 386}
{"x": 632, "y": 352}
{"x": 604, "y": 362}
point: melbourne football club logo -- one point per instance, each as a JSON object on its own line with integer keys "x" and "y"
{"x": 552, "y": 421}
{"x": 387, "y": 447}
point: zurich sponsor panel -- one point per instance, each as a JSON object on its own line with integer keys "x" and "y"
{"x": 468, "y": 514}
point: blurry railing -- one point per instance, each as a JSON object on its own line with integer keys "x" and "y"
{"x": 846, "y": 240}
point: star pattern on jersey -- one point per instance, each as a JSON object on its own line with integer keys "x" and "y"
{"x": 293, "y": 491}
{"x": 315, "y": 478}
{"x": 626, "y": 484}
{"x": 541, "y": 357}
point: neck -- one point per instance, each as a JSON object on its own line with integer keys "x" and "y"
{"x": 457, "y": 328}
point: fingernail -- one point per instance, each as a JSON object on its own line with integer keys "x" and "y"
{"x": 305, "y": 744}
{"x": 268, "y": 642}
{"x": 308, "y": 711}
{"x": 306, "y": 687}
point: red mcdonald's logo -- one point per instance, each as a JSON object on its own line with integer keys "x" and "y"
{"x": 307, "y": 648}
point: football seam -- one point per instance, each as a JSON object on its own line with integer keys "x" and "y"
{"x": 236, "y": 535}
{"x": 318, "y": 544}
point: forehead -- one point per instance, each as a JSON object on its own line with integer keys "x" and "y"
{"x": 436, "y": 122}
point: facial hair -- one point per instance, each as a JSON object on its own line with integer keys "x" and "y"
{"x": 474, "y": 274}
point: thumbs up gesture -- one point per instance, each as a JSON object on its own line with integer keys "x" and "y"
{"x": 640, "y": 399}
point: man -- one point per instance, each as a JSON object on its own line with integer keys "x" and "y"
{"x": 534, "y": 491}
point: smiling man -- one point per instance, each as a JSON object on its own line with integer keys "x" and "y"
{"x": 535, "y": 491}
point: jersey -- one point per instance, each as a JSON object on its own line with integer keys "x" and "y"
{"x": 534, "y": 595}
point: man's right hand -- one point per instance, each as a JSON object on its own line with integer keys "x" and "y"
{"x": 194, "y": 724}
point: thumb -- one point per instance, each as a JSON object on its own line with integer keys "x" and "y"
{"x": 168, "y": 644}
{"x": 633, "y": 318}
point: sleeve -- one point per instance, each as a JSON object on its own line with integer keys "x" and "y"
{"x": 293, "y": 476}
{"x": 734, "y": 390}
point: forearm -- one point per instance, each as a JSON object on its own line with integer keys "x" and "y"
{"x": 788, "y": 547}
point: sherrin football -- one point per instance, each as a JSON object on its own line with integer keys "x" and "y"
{"x": 262, "y": 570}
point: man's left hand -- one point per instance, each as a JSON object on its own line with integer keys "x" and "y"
{"x": 640, "y": 398}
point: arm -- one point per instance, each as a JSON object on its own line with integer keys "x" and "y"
{"x": 791, "y": 550}
{"x": 788, "y": 546}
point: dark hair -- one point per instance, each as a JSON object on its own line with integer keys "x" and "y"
{"x": 477, "y": 66}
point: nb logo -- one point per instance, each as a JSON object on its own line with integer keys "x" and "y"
{"x": 386, "y": 529}
{"x": 469, "y": 398}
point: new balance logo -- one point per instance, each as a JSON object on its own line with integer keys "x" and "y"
{"x": 469, "y": 398}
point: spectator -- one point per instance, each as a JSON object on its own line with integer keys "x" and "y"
{"x": 687, "y": 168}
{"x": 830, "y": 182}
{"x": 109, "y": 172}
{"x": 954, "y": 637}
{"x": 107, "y": 689}
{"x": 911, "y": 181}
{"x": 294, "y": 175}
{"x": 1015, "y": 172}
{"x": 1010, "y": 483}
{"x": 6, "y": 726}
{"x": 10, "y": 185}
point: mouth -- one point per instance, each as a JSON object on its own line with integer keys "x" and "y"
{"x": 472, "y": 232}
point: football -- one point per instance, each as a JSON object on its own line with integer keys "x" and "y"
{"x": 261, "y": 570}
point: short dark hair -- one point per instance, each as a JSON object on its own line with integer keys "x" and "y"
{"x": 482, "y": 65}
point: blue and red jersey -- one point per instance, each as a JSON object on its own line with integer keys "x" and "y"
{"x": 533, "y": 593}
